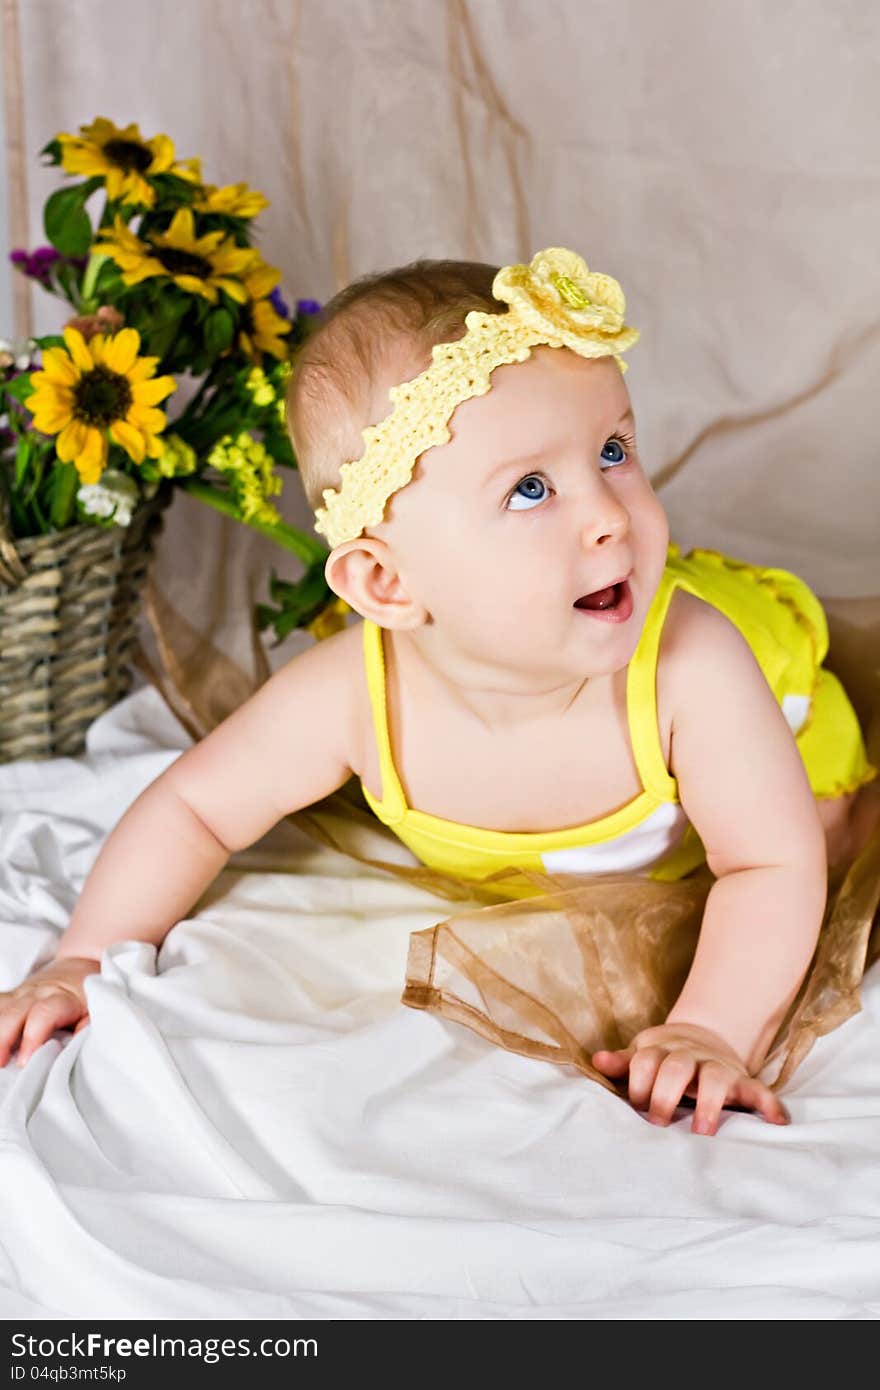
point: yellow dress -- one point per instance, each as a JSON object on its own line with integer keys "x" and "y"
{"x": 785, "y": 626}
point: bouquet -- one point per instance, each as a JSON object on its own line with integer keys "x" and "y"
{"x": 168, "y": 291}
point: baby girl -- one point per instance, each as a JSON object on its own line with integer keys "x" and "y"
{"x": 540, "y": 678}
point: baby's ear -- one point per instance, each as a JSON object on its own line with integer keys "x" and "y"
{"x": 364, "y": 573}
{"x": 342, "y": 572}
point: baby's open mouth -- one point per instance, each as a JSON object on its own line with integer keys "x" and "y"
{"x": 610, "y": 597}
{"x": 615, "y": 601}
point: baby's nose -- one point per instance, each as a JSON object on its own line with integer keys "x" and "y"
{"x": 605, "y": 518}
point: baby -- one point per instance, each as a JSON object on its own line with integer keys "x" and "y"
{"x": 540, "y": 678}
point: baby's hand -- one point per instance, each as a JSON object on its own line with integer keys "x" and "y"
{"x": 53, "y": 997}
{"x": 677, "y": 1059}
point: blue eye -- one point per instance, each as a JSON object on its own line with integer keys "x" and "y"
{"x": 532, "y": 482}
{"x": 618, "y": 444}
{"x": 532, "y": 487}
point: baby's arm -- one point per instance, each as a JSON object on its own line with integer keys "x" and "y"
{"x": 284, "y": 748}
{"x": 744, "y": 786}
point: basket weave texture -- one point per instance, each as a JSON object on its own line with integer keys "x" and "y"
{"x": 69, "y": 604}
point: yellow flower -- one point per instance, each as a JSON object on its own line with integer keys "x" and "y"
{"x": 177, "y": 457}
{"x": 251, "y": 479}
{"x": 234, "y": 200}
{"x": 87, "y": 390}
{"x": 123, "y": 158}
{"x": 200, "y": 265}
{"x": 259, "y": 386}
{"x": 559, "y": 294}
{"x": 261, "y": 326}
{"x": 331, "y": 619}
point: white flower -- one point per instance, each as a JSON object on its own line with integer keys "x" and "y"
{"x": 115, "y": 496}
{"x": 19, "y": 352}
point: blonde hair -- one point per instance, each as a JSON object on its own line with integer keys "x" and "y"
{"x": 373, "y": 334}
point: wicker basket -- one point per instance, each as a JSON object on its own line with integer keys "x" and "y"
{"x": 69, "y": 605}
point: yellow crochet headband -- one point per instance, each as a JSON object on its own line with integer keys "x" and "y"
{"x": 556, "y": 300}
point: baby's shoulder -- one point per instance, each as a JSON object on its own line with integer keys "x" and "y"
{"x": 689, "y": 621}
{"x": 322, "y": 684}
{"x": 695, "y": 634}
{"x": 351, "y": 665}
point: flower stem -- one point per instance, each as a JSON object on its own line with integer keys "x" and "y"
{"x": 289, "y": 537}
{"x": 96, "y": 260}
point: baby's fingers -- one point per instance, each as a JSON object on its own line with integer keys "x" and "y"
{"x": 12, "y": 1015}
{"x": 612, "y": 1063}
{"x": 643, "y": 1071}
{"x": 57, "y": 1011}
{"x": 759, "y": 1097}
{"x": 673, "y": 1077}
{"x": 718, "y": 1087}
{"x": 714, "y": 1085}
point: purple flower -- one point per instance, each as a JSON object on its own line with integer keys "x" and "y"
{"x": 278, "y": 303}
{"x": 308, "y": 306}
{"x": 36, "y": 264}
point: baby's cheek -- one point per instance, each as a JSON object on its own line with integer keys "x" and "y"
{"x": 656, "y": 523}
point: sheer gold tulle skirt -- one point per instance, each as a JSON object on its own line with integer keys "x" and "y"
{"x": 588, "y": 962}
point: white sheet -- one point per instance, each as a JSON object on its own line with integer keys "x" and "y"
{"x": 254, "y": 1126}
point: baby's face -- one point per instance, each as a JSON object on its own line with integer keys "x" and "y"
{"x": 538, "y": 499}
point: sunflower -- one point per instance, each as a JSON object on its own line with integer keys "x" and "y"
{"x": 87, "y": 389}
{"x": 124, "y": 159}
{"x": 200, "y": 265}
{"x": 233, "y": 200}
{"x": 261, "y": 327}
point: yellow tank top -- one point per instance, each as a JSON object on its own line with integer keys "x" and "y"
{"x": 785, "y": 626}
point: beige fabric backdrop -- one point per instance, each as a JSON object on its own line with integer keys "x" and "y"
{"x": 721, "y": 160}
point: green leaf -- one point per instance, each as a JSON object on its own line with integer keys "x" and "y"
{"x": 63, "y": 483}
{"x": 219, "y": 330}
{"x": 20, "y": 387}
{"x": 299, "y": 603}
{"x": 29, "y": 494}
{"x": 158, "y": 335}
{"x": 53, "y": 150}
{"x": 41, "y": 520}
{"x": 67, "y": 277}
{"x": 66, "y": 221}
{"x": 21, "y": 521}
{"x": 199, "y": 364}
{"x": 22, "y": 459}
{"x": 109, "y": 277}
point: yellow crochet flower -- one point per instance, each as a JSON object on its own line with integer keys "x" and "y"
{"x": 123, "y": 158}
{"x": 559, "y": 295}
{"x": 86, "y": 391}
{"x": 233, "y": 200}
{"x": 331, "y": 619}
{"x": 200, "y": 265}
